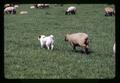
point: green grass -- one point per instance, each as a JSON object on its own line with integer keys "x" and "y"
{"x": 25, "y": 59}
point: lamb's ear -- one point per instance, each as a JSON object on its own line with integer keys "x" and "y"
{"x": 39, "y": 36}
{"x": 52, "y": 36}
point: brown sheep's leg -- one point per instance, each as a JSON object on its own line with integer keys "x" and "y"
{"x": 86, "y": 50}
{"x": 74, "y": 47}
{"x": 85, "y": 47}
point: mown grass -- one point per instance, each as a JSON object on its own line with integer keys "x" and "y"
{"x": 25, "y": 59}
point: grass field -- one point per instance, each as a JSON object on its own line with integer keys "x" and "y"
{"x": 25, "y": 59}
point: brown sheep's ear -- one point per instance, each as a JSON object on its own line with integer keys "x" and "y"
{"x": 65, "y": 38}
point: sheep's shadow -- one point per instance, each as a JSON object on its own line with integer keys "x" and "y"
{"x": 82, "y": 52}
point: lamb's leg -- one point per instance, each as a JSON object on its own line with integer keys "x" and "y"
{"x": 52, "y": 47}
{"x": 41, "y": 44}
{"x": 48, "y": 47}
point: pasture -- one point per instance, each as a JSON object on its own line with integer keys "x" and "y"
{"x": 24, "y": 59}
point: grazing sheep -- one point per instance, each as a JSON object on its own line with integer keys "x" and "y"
{"x": 46, "y": 5}
{"x": 10, "y": 10}
{"x": 32, "y": 7}
{"x": 114, "y": 48}
{"x": 23, "y": 12}
{"x": 109, "y": 11}
{"x": 78, "y": 39}
{"x": 46, "y": 41}
{"x": 41, "y": 5}
{"x": 70, "y": 10}
{"x": 6, "y": 5}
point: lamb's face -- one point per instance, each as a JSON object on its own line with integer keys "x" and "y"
{"x": 41, "y": 36}
{"x": 51, "y": 36}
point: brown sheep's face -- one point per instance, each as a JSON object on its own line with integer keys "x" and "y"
{"x": 66, "y": 39}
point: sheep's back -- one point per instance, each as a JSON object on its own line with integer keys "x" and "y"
{"x": 78, "y": 38}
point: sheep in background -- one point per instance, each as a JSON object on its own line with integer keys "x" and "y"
{"x": 46, "y": 41}
{"x": 70, "y": 10}
{"x": 78, "y": 39}
{"x": 6, "y": 5}
{"x": 10, "y": 10}
{"x": 32, "y": 7}
{"x": 41, "y": 5}
{"x": 46, "y": 5}
{"x": 109, "y": 11}
{"x": 23, "y": 12}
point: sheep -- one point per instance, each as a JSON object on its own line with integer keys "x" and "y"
{"x": 23, "y": 12}
{"x": 78, "y": 39}
{"x": 114, "y": 48}
{"x": 10, "y": 10}
{"x": 46, "y": 5}
{"x": 32, "y": 7}
{"x": 109, "y": 11}
{"x": 70, "y": 10}
{"x": 41, "y": 5}
{"x": 6, "y": 5}
{"x": 46, "y": 41}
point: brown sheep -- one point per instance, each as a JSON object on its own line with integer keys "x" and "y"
{"x": 109, "y": 11}
{"x": 78, "y": 39}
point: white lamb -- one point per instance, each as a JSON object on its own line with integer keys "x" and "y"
{"x": 46, "y": 41}
{"x": 78, "y": 39}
